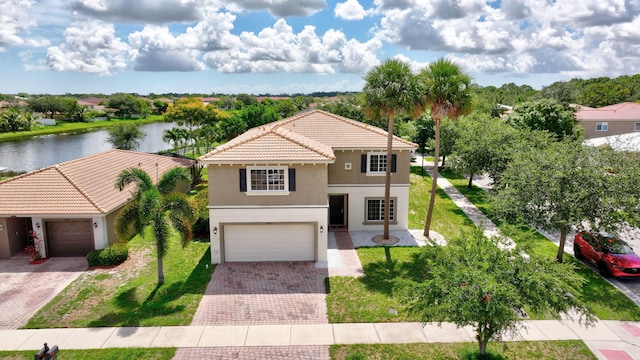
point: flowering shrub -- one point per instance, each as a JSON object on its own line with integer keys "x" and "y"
{"x": 34, "y": 250}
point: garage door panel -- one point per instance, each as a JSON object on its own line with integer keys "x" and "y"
{"x": 269, "y": 242}
{"x": 69, "y": 237}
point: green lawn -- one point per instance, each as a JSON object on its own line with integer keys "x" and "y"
{"x": 369, "y": 299}
{"x": 541, "y": 350}
{"x": 128, "y": 295}
{"x": 73, "y": 127}
{"x": 97, "y": 354}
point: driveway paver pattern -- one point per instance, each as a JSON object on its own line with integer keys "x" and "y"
{"x": 263, "y": 294}
{"x": 25, "y": 288}
{"x": 254, "y": 352}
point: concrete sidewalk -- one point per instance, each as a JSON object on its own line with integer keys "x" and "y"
{"x": 603, "y": 338}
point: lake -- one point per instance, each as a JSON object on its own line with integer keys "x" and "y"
{"x": 41, "y": 151}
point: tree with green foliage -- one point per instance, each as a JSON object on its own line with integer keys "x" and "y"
{"x": 195, "y": 115}
{"x": 159, "y": 106}
{"x": 230, "y": 128}
{"x": 556, "y": 187}
{"x": 603, "y": 93}
{"x": 175, "y": 136}
{"x": 349, "y": 106}
{"x": 259, "y": 114}
{"x": 247, "y": 99}
{"x": 483, "y": 145}
{"x": 157, "y": 206}
{"x": 125, "y": 136}
{"x": 478, "y": 281}
{"x": 391, "y": 88}
{"x": 447, "y": 94}
{"x": 127, "y": 105}
{"x": 15, "y": 119}
{"x": 547, "y": 115}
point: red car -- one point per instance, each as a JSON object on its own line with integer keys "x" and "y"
{"x": 612, "y": 256}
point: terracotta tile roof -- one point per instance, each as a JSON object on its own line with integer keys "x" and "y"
{"x": 307, "y": 137}
{"x": 81, "y": 186}
{"x": 624, "y": 111}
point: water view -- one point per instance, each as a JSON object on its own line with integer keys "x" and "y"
{"x": 42, "y": 151}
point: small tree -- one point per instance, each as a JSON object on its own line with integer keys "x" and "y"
{"x": 158, "y": 206}
{"x": 125, "y": 136}
{"x": 472, "y": 282}
{"x": 547, "y": 115}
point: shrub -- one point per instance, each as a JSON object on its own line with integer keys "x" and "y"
{"x": 113, "y": 255}
{"x": 201, "y": 226}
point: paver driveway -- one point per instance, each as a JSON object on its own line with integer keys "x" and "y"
{"x": 25, "y": 288}
{"x": 264, "y": 293}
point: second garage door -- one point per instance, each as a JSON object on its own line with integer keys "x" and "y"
{"x": 269, "y": 242}
{"x": 69, "y": 237}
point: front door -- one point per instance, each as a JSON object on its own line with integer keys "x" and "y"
{"x": 337, "y": 213}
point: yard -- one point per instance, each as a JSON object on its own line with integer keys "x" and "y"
{"x": 368, "y": 299}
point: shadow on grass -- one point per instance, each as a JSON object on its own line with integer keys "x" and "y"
{"x": 379, "y": 276}
{"x": 159, "y": 302}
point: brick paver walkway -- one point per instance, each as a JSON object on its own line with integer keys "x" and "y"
{"x": 254, "y": 352}
{"x": 346, "y": 261}
{"x": 263, "y": 294}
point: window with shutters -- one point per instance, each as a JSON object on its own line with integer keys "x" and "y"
{"x": 376, "y": 163}
{"x": 267, "y": 180}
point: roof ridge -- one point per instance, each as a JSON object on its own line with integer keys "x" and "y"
{"x": 80, "y": 190}
{"x": 359, "y": 124}
{"x": 260, "y": 132}
{"x": 282, "y": 131}
{"x": 29, "y": 173}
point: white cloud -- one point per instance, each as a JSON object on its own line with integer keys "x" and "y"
{"x": 15, "y": 20}
{"x": 278, "y": 8}
{"x": 140, "y": 11}
{"x": 212, "y": 33}
{"x": 90, "y": 46}
{"x": 350, "y": 10}
{"x": 156, "y": 49}
{"x": 278, "y": 48}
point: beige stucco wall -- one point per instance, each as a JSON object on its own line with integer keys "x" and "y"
{"x": 13, "y": 236}
{"x": 339, "y": 174}
{"x": 615, "y": 127}
{"x": 224, "y": 188}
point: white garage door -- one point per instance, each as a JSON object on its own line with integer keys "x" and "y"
{"x": 272, "y": 242}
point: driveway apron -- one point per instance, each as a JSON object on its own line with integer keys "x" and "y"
{"x": 25, "y": 288}
{"x": 265, "y": 293}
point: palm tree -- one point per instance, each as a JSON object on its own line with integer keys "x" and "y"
{"x": 448, "y": 95}
{"x": 158, "y": 206}
{"x": 391, "y": 88}
{"x": 173, "y": 136}
{"x": 125, "y": 136}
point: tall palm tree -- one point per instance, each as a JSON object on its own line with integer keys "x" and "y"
{"x": 447, "y": 94}
{"x": 158, "y": 206}
{"x": 173, "y": 136}
{"x": 391, "y": 88}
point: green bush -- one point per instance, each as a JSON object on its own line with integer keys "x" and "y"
{"x": 201, "y": 226}
{"x": 113, "y": 255}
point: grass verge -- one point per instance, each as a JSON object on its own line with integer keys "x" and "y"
{"x": 97, "y": 354}
{"x": 544, "y": 350}
{"x": 128, "y": 295}
{"x": 74, "y": 127}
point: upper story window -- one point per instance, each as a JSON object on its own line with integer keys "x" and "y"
{"x": 637, "y": 126}
{"x": 602, "y": 126}
{"x": 267, "y": 179}
{"x": 376, "y": 163}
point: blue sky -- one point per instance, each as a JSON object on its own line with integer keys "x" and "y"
{"x": 303, "y": 46}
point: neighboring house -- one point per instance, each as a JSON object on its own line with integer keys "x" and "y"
{"x": 72, "y": 205}
{"x": 92, "y": 103}
{"x": 276, "y": 190}
{"x": 609, "y": 120}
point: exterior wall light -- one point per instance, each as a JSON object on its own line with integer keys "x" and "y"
{"x": 38, "y": 225}
{"x": 321, "y": 229}
{"x": 95, "y": 224}
{"x": 215, "y": 230}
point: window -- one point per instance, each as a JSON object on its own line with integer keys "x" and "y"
{"x": 267, "y": 179}
{"x": 376, "y": 163}
{"x": 602, "y": 126}
{"x": 637, "y": 126}
{"x": 375, "y": 209}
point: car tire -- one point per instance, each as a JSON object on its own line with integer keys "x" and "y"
{"x": 604, "y": 270}
{"x": 577, "y": 253}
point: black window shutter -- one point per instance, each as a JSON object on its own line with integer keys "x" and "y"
{"x": 243, "y": 180}
{"x": 292, "y": 179}
{"x": 393, "y": 162}
{"x": 363, "y": 163}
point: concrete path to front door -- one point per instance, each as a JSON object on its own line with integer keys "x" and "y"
{"x": 25, "y": 288}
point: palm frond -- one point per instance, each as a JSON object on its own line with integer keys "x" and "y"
{"x": 170, "y": 179}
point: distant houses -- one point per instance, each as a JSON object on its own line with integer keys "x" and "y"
{"x": 618, "y": 119}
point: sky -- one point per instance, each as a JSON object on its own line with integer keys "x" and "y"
{"x": 304, "y": 46}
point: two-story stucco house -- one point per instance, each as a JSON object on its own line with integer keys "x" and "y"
{"x": 276, "y": 190}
